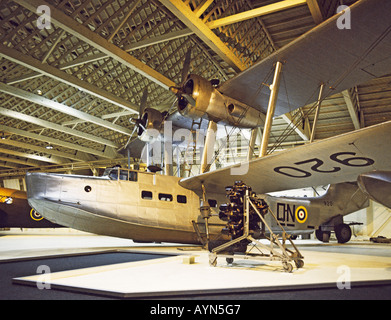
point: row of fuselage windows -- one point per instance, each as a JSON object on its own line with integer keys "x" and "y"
{"x": 148, "y": 195}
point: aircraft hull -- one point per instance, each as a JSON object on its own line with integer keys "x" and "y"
{"x": 89, "y": 222}
{"x": 116, "y": 208}
{"x": 152, "y": 209}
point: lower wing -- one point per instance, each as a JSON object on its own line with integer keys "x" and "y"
{"x": 337, "y": 159}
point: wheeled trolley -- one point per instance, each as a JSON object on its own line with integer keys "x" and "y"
{"x": 245, "y": 215}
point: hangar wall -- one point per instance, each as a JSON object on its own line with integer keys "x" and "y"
{"x": 12, "y": 184}
{"x": 376, "y": 221}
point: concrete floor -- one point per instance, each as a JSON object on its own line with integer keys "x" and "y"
{"x": 335, "y": 266}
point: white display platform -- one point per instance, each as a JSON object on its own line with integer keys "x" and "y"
{"x": 326, "y": 265}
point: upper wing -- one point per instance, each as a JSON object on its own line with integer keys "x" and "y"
{"x": 332, "y": 160}
{"x": 339, "y": 58}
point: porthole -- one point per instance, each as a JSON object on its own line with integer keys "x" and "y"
{"x": 87, "y": 188}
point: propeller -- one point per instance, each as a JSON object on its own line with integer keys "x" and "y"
{"x": 184, "y": 91}
{"x": 186, "y": 66}
{"x": 149, "y": 119}
{"x": 138, "y": 123}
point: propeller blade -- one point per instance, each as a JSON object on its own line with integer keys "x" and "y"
{"x": 186, "y": 66}
{"x": 189, "y": 99}
{"x": 142, "y": 127}
{"x": 130, "y": 138}
{"x": 173, "y": 104}
{"x": 143, "y": 102}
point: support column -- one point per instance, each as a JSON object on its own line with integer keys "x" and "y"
{"x": 205, "y": 211}
{"x": 208, "y": 151}
{"x": 369, "y": 219}
{"x": 128, "y": 154}
{"x": 317, "y": 113}
{"x": 255, "y": 133}
{"x": 274, "y": 87}
{"x": 168, "y": 150}
{"x": 178, "y": 165}
{"x": 148, "y": 154}
{"x": 168, "y": 166}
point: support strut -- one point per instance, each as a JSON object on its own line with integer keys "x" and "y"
{"x": 210, "y": 139}
{"x": 274, "y": 87}
{"x": 317, "y": 113}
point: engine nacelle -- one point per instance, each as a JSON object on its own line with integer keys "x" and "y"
{"x": 243, "y": 116}
{"x": 198, "y": 98}
{"x": 150, "y": 125}
{"x": 195, "y": 97}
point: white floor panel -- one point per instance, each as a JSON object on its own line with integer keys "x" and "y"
{"x": 171, "y": 276}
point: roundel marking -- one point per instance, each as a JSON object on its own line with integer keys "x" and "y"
{"x": 301, "y": 214}
{"x": 35, "y": 215}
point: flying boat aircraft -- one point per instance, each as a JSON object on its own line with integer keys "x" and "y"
{"x": 145, "y": 206}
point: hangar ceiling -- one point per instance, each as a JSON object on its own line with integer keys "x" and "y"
{"x": 67, "y": 92}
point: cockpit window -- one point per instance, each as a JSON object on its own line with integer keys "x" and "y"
{"x": 113, "y": 175}
{"x": 123, "y": 175}
{"x": 132, "y": 175}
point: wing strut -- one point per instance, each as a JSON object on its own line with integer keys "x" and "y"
{"x": 168, "y": 152}
{"x": 317, "y": 113}
{"x": 274, "y": 87}
{"x": 207, "y": 154}
{"x": 255, "y": 133}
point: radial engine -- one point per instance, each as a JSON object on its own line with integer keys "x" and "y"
{"x": 232, "y": 212}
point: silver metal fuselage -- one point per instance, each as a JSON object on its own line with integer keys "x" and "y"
{"x": 327, "y": 210}
{"x": 152, "y": 207}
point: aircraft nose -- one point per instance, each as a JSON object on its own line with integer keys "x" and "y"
{"x": 42, "y": 186}
{"x": 43, "y": 191}
{"x": 35, "y": 183}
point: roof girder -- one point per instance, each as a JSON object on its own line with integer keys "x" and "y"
{"x": 61, "y": 108}
{"x": 257, "y": 12}
{"x": 190, "y": 19}
{"x": 52, "y": 72}
{"x": 85, "y": 34}
{"x": 54, "y": 126}
{"x": 58, "y": 142}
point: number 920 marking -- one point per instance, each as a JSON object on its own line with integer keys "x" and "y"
{"x": 316, "y": 167}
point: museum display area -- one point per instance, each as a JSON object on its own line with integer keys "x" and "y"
{"x": 198, "y": 149}
{"x": 152, "y": 271}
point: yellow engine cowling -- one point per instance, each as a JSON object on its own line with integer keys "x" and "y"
{"x": 195, "y": 97}
{"x": 150, "y": 125}
{"x": 198, "y": 98}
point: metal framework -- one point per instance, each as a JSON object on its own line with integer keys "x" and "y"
{"x": 277, "y": 250}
